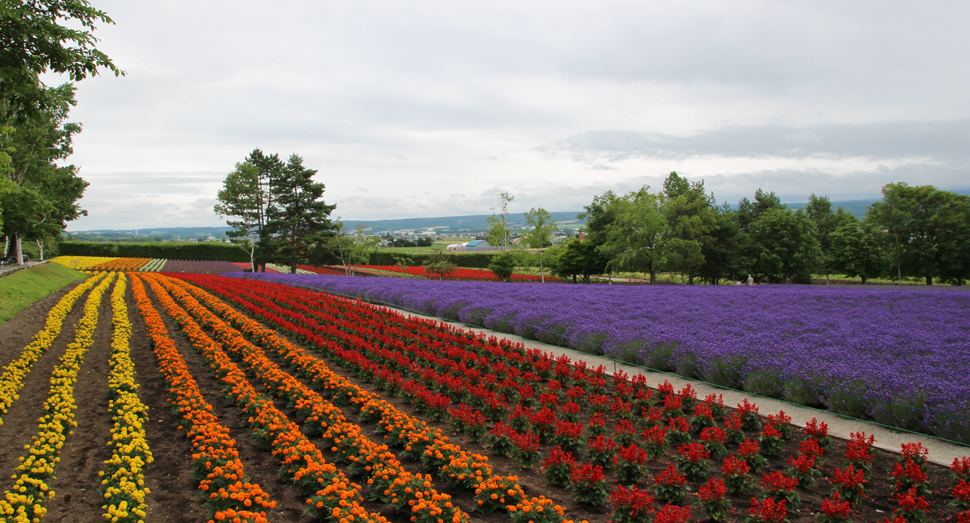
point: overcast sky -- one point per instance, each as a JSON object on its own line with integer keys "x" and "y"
{"x": 412, "y": 109}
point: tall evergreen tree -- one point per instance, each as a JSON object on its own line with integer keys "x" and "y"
{"x": 298, "y": 216}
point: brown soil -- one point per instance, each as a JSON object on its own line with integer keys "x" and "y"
{"x": 174, "y": 496}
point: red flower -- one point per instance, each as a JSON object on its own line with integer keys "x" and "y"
{"x": 673, "y": 514}
{"x": 748, "y": 447}
{"x": 910, "y": 502}
{"x": 588, "y": 474}
{"x": 768, "y": 511}
{"x": 713, "y": 490}
{"x": 816, "y": 430}
{"x": 834, "y": 507}
{"x": 694, "y": 452}
{"x": 733, "y": 466}
{"x": 715, "y": 434}
{"x": 671, "y": 476}
{"x": 776, "y": 481}
{"x": 810, "y": 447}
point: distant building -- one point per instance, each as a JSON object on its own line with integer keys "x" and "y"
{"x": 478, "y": 246}
{"x": 455, "y": 247}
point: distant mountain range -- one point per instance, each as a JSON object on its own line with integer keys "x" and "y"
{"x": 450, "y": 224}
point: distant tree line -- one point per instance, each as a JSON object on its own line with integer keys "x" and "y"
{"x": 919, "y": 231}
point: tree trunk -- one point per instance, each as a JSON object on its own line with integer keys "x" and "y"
{"x": 690, "y": 276}
{"x": 18, "y": 250}
{"x": 40, "y": 247}
{"x": 929, "y": 279}
{"x": 653, "y": 277}
{"x": 863, "y": 280}
{"x": 542, "y": 273}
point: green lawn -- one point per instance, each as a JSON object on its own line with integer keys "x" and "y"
{"x": 24, "y": 287}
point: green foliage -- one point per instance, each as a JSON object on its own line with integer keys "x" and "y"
{"x": 297, "y": 217}
{"x": 928, "y": 231}
{"x": 860, "y": 249}
{"x": 503, "y": 266}
{"x": 211, "y": 251}
{"x": 26, "y": 286}
{"x": 439, "y": 264}
{"x": 353, "y": 250}
{"x": 638, "y": 238}
{"x": 785, "y": 246}
{"x": 541, "y": 234}
{"x": 579, "y": 258}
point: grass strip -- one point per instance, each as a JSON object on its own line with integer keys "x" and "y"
{"x": 25, "y": 287}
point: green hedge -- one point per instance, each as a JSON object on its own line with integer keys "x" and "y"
{"x": 211, "y": 251}
{"x": 474, "y": 260}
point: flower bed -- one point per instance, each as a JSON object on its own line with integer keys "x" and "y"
{"x": 528, "y": 395}
{"x": 894, "y": 356}
{"x": 25, "y": 499}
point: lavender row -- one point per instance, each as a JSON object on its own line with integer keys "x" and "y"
{"x": 198, "y": 267}
{"x": 898, "y": 357}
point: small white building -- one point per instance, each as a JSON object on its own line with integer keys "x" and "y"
{"x": 455, "y": 247}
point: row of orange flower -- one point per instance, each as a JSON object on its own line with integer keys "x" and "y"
{"x": 452, "y": 464}
{"x": 12, "y": 379}
{"x": 388, "y": 479}
{"x": 24, "y": 501}
{"x": 331, "y": 494}
{"x": 215, "y": 459}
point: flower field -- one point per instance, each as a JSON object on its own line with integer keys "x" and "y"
{"x": 894, "y": 356}
{"x": 242, "y": 400}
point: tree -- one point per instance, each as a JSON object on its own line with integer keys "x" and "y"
{"x": 638, "y": 238}
{"x": 541, "y": 234}
{"x": 46, "y": 36}
{"x": 690, "y": 215}
{"x": 722, "y": 251}
{"x": 502, "y": 266}
{"x": 928, "y": 228}
{"x": 860, "y": 249}
{"x": 353, "y": 250}
{"x": 439, "y": 264}
{"x": 819, "y": 211}
{"x": 297, "y": 217}
{"x": 241, "y": 198}
{"x": 579, "y": 258}
{"x": 786, "y": 246}
{"x": 49, "y": 192}
{"x": 498, "y": 225}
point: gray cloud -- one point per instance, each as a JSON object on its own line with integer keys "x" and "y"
{"x": 941, "y": 141}
{"x": 554, "y": 102}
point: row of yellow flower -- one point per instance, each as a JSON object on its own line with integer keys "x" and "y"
{"x": 390, "y": 481}
{"x": 122, "y": 477}
{"x": 215, "y": 460}
{"x": 24, "y": 501}
{"x": 12, "y": 379}
{"x": 331, "y": 494}
{"x": 81, "y": 262}
{"x": 452, "y": 464}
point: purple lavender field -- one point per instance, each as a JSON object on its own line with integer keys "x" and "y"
{"x": 895, "y": 356}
